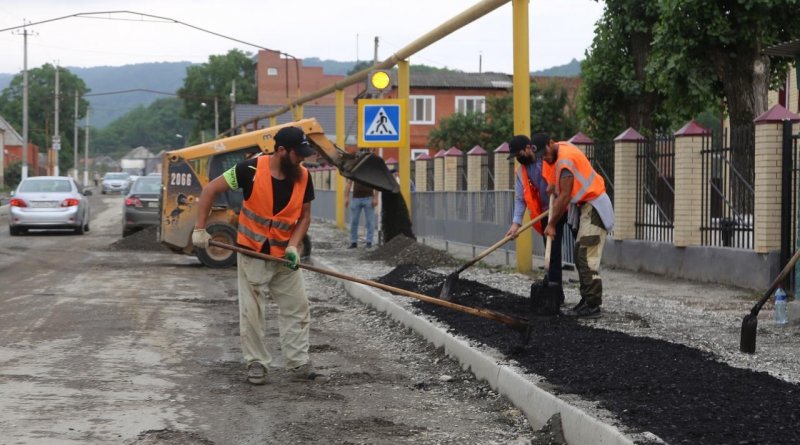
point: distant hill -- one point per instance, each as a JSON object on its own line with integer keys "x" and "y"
{"x": 330, "y": 66}
{"x": 162, "y": 76}
{"x": 572, "y": 69}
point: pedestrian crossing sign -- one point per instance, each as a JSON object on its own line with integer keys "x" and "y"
{"x": 381, "y": 122}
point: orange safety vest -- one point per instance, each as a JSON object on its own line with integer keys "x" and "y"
{"x": 257, "y": 224}
{"x": 587, "y": 184}
{"x": 531, "y": 195}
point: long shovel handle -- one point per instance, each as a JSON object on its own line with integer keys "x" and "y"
{"x": 548, "y": 245}
{"x": 516, "y": 322}
{"x": 506, "y": 239}
{"x": 789, "y": 265}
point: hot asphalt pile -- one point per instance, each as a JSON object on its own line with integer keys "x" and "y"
{"x": 143, "y": 240}
{"x": 679, "y": 393}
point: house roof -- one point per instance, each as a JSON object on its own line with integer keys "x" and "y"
{"x": 11, "y": 135}
{"x": 457, "y": 79}
{"x": 324, "y": 114}
{"x": 139, "y": 152}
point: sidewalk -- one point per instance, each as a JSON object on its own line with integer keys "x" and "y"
{"x": 702, "y": 316}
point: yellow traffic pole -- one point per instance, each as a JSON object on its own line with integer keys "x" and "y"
{"x": 340, "y": 141}
{"x": 404, "y": 152}
{"x": 273, "y": 121}
{"x": 298, "y": 112}
{"x": 522, "y": 109}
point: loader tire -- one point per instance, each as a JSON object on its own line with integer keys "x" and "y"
{"x": 217, "y": 257}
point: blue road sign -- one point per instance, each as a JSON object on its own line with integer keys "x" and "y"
{"x": 379, "y": 123}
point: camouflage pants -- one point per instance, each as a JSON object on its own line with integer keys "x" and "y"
{"x": 588, "y": 252}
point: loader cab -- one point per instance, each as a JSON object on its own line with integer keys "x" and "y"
{"x": 219, "y": 164}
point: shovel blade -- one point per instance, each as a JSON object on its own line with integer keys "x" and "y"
{"x": 747, "y": 342}
{"x": 546, "y": 298}
{"x": 448, "y": 284}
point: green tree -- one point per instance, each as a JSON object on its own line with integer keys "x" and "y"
{"x": 41, "y": 107}
{"x": 155, "y": 127}
{"x": 214, "y": 79}
{"x": 550, "y": 112}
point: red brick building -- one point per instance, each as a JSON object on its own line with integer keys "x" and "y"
{"x": 277, "y": 79}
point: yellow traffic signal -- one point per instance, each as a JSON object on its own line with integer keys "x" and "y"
{"x": 380, "y": 80}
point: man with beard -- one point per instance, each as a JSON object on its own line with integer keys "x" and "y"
{"x": 531, "y": 191}
{"x": 581, "y": 196}
{"x": 275, "y": 216}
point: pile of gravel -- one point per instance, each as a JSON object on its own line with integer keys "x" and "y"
{"x": 143, "y": 240}
{"x": 404, "y": 250}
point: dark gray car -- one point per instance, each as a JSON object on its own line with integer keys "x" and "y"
{"x": 141, "y": 208}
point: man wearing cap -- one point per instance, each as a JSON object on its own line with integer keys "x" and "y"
{"x": 275, "y": 216}
{"x": 581, "y": 195}
{"x": 530, "y": 190}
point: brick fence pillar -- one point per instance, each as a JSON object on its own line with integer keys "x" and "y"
{"x": 503, "y": 168}
{"x": 438, "y": 171}
{"x": 689, "y": 142}
{"x": 421, "y": 172}
{"x": 476, "y": 168}
{"x": 625, "y": 184}
{"x": 769, "y": 144}
{"x": 581, "y": 141}
{"x": 452, "y": 160}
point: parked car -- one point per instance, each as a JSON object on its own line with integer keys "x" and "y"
{"x": 141, "y": 205}
{"x": 48, "y": 202}
{"x": 116, "y": 182}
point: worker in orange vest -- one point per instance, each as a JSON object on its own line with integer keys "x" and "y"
{"x": 581, "y": 195}
{"x": 275, "y": 215}
{"x": 531, "y": 192}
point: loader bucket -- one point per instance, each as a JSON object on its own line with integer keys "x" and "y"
{"x": 369, "y": 169}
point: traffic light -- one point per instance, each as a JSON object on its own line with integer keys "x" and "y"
{"x": 378, "y": 82}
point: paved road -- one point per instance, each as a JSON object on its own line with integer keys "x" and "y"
{"x": 104, "y": 346}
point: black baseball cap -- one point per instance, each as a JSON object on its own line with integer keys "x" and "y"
{"x": 517, "y": 144}
{"x": 293, "y": 138}
{"x": 540, "y": 141}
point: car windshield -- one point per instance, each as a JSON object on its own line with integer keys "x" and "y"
{"x": 117, "y": 176}
{"x": 45, "y": 185}
{"x": 147, "y": 185}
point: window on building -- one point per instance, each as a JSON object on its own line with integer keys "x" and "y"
{"x": 272, "y": 71}
{"x": 422, "y": 109}
{"x": 470, "y": 104}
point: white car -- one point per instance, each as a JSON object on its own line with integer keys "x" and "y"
{"x": 115, "y": 182}
{"x": 48, "y": 202}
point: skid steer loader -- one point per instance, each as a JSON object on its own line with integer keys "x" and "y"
{"x": 186, "y": 171}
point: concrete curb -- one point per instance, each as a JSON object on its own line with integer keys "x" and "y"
{"x": 537, "y": 404}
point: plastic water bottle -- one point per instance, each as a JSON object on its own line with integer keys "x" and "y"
{"x": 780, "y": 307}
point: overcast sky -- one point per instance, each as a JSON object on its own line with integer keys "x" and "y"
{"x": 560, "y": 30}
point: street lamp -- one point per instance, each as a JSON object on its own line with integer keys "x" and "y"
{"x": 183, "y": 140}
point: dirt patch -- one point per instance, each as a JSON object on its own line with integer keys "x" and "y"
{"x": 143, "y": 240}
{"x": 405, "y": 250}
{"x": 678, "y": 393}
{"x": 160, "y": 437}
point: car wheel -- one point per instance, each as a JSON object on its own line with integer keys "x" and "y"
{"x": 79, "y": 230}
{"x": 103, "y": 192}
{"x": 218, "y": 257}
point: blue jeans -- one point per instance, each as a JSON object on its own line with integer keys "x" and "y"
{"x": 356, "y": 204}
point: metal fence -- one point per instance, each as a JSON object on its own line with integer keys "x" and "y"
{"x": 655, "y": 191}
{"x": 727, "y": 194}
{"x": 601, "y": 155}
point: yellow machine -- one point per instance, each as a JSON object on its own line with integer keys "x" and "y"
{"x": 188, "y": 170}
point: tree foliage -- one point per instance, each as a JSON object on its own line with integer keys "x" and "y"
{"x": 550, "y": 111}
{"x": 214, "y": 79}
{"x": 654, "y": 65}
{"x": 156, "y": 127}
{"x": 41, "y": 107}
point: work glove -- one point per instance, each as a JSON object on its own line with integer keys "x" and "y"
{"x": 292, "y": 257}
{"x": 200, "y": 238}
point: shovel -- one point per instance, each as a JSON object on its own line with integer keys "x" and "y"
{"x": 747, "y": 342}
{"x": 517, "y": 323}
{"x": 546, "y": 297}
{"x": 448, "y": 282}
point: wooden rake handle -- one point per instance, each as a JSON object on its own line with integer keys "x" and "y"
{"x": 548, "y": 245}
{"x": 518, "y": 323}
{"x": 506, "y": 239}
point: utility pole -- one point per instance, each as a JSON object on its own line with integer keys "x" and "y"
{"x": 375, "y": 56}
{"x": 25, "y": 104}
{"x": 480, "y": 62}
{"x": 216, "y": 117}
{"x": 56, "y": 134}
{"x": 2, "y": 154}
{"x": 233, "y": 103}
{"x": 75, "y": 143}
{"x": 86, "y": 152}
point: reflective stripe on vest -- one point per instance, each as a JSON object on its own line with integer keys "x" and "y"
{"x": 257, "y": 223}
{"x": 591, "y": 185}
